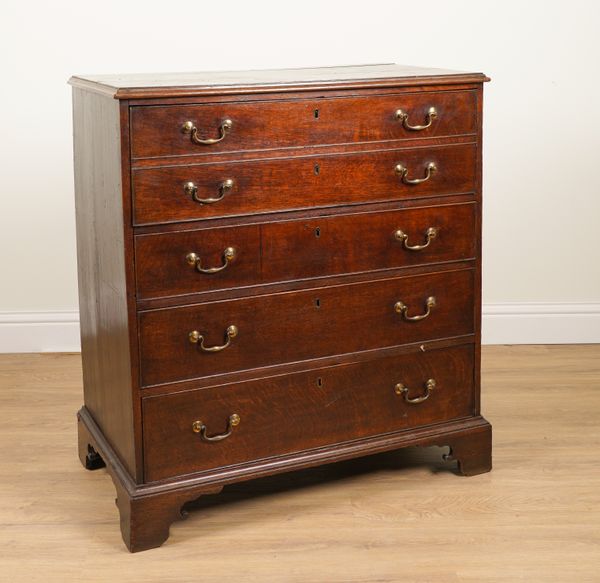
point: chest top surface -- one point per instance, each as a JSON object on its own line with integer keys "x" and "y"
{"x": 156, "y": 85}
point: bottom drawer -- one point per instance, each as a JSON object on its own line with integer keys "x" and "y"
{"x": 185, "y": 432}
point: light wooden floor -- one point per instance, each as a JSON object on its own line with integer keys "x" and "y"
{"x": 393, "y": 517}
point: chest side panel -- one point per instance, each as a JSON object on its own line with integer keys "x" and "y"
{"x": 101, "y": 260}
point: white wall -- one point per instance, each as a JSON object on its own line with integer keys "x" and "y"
{"x": 542, "y": 131}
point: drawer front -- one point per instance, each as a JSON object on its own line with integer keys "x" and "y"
{"x": 166, "y": 194}
{"x": 295, "y": 326}
{"x": 162, "y": 130}
{"x": 286, "y": 414}
{"x": 301, "y": 249}
{"x": 171, "y": 264}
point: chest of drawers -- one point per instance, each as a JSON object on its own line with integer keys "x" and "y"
{"x": 277, "y": 270}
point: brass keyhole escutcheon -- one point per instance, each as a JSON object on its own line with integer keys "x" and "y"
{"x": 317, "y": 169}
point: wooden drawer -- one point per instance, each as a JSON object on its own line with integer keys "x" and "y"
{"x": 264, "y": 125}
{"x": 301, "y": 325}
{"x": 160, "y": 194}
{"x": 301, "y": 249}
{"x": 286, "y": 414}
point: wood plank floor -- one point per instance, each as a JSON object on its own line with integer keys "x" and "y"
{"x": 401, "y": 516}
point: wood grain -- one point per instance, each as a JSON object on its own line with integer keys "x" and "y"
{"x": 536, "y": 517}
{"x": 283, "y": 414}
{"x": 156, "y": 131}
{"x": 304, "y": 182}
{"x": 292, "y": 155}
{"x": 303, "y": 325}
{"x": 103, "y": 293}
{"x": 270, "y": 252}
{"x": 145, "y": 85}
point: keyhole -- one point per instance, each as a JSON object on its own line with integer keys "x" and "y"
{"x": 316, "y": 114}
{"x": 318, "y": 303}
{"x": 317, "y": 232}
{"x": 317, "y": 169}
{"x": 319, "y": 382}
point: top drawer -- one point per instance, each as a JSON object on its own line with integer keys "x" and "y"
{"x": 180, "y": 130}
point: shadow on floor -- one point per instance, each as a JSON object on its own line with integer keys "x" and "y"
{"x": 409, "y": 457}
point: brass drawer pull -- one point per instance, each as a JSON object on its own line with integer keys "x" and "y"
{"x": 199, "y": 427}
{"x": 189, "y": 128}
{"x": 192, "y": 190}
{"x": 400, "y": 389}
{"x": 196, "y": 338}
{"x": 196, "y": 261}
{"x": 403, "y": 117}
{"x": 402, "y": 171}
{"x": 430, "y": 235}
{"x": 402, "y": 308}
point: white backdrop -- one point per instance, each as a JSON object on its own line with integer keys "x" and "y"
{"x": 542, "y": 132}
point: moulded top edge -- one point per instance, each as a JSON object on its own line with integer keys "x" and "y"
{"x": 144, "y": 85}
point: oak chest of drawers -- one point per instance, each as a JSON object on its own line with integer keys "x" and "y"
{"x": 277, "y": 269}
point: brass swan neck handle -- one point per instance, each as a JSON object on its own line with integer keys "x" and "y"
{"x": 402, "y": 309}
{"x": 196, "y": 338}
{"x": 402, "y": 171}
{"x": 195, "y": 260}
{"x": 189, "y": 128}
{"x": 402, "y": 116}
{"x": 200, "y": 427}
{"x": 430, "y": 235}
{"x": 400, "y": 389}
